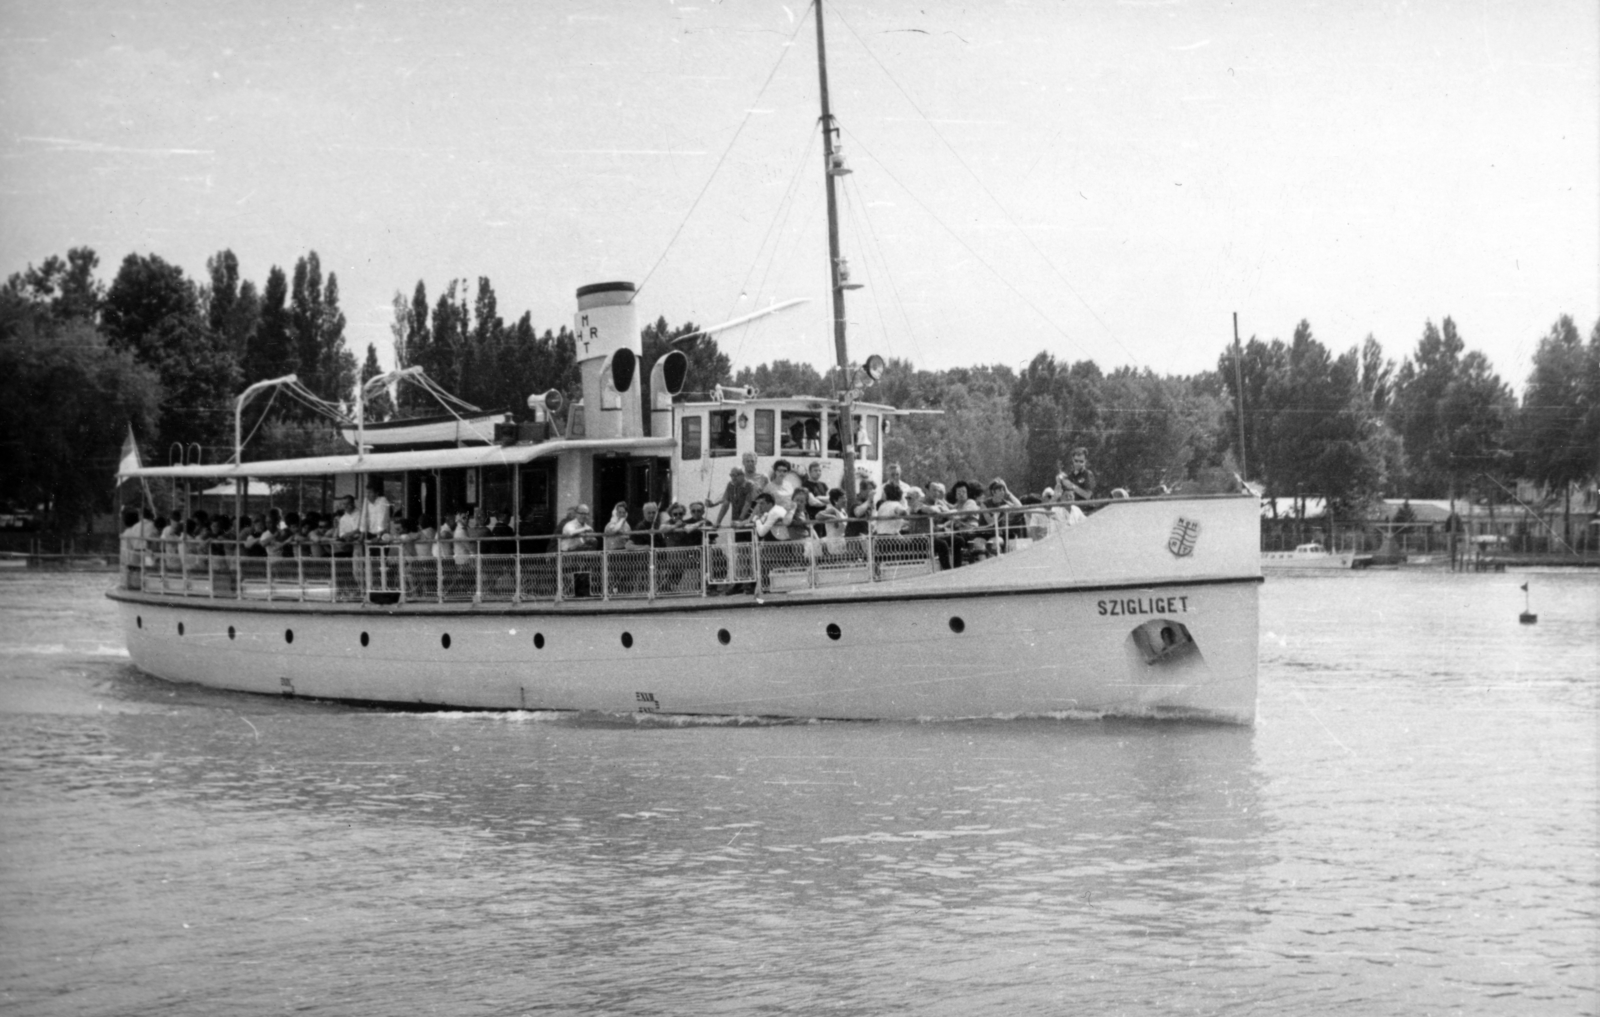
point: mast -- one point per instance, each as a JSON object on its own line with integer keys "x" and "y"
{"x": 1238, "y": 382}
{"x": 847, "y": 431}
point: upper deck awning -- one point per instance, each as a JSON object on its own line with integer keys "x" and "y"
{"x": 399, "y": 462}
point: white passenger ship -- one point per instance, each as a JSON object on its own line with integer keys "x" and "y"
{"x": 1144, "y": 607}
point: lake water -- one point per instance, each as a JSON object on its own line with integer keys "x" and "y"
{"x": 1412, "y": 827}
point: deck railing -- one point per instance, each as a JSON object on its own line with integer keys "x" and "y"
{"x": 515, "y": 569}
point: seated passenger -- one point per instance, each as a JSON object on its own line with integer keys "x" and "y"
{"x": 617, "y": 528}
{"x": 924, "y": 525}
{"x": 649, "y": 522}
{"x": 1077, "y": 483}
{"x": 861, "y": 511}
{"x": 1000, "y": 527}
{"x": 833, "y": 519}
{"x": 890, "y": 512}
{"x": 964, "y": 523}
{"x": 769, "y": 520}
{"x": 577, "y": 534}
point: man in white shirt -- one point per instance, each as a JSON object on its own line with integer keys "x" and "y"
{"x": 891, "y": 475}
{"x": 578, "y": 534}
{"x": 376, "y": 523}
{"x": 349, "y": 524}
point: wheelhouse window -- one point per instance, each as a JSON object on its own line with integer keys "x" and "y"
{"x": 724, "y": 433}
{"x": 801, "y": 433}
{"x": 692, "y": 427}
{"x": 766, "y": 443}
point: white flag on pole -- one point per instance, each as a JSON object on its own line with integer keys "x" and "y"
{"x": 130, "y": 455}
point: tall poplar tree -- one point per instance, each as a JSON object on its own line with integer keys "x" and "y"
{"x": 270, "y": 349}
{"x": 379, "y": 405}
{"x": 336, "y": 364}
{"x": 305, "y": 322}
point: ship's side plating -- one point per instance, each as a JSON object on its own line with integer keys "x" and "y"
{"x": 1146, "y": 608}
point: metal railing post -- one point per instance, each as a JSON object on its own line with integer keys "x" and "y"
{"x": 812, "y": 551}
{"x": 477, "y": 571}
{"x": 561, "y": 572}
{"x": 650, "y": 571}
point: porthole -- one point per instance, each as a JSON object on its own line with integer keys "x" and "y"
{"x": 230, "y": 632}
{"x": 627, "y": 640}
{"x": 724, "y": 637}
{"x": 957, "y": 626}
{"x": 833, "y": 631}
{"x": 288, "y": 635}
{"x": 365, "y": 639}
{"x": 444, "y": 640}
{"x": 180, "y": 628}
{"x": 538, "y": 640}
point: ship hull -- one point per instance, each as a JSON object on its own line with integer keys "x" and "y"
{"x": 1022, "y": 653}
{"x": 1144, "y": 609}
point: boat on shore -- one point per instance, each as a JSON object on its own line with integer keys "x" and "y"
{"x": 1144, "y": 607}
{"x": 1312, "y": 557}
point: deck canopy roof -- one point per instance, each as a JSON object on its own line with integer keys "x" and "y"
{"x": 399, "y": 462}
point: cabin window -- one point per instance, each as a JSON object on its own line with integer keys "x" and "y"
{"x": 691, "y": 437}
{"x": 766, "y": 444}
{"x": 866, "y": 437}
{"x": 801, "y": 433}
{"x": 495, "y": 495}
{"x": 724, "y": 433}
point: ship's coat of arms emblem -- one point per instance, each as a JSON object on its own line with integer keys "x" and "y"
{"x": 1185, "y": 533}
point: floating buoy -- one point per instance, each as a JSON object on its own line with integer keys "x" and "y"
{"x": 1527, "y": 617}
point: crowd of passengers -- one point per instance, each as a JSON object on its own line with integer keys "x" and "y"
{"x": 966, "y": 521}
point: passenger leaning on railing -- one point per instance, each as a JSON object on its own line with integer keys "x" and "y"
{"x": 674, "y": 541}
{"x": 1000, "y": 527}
{"x": 171, "y": 543}
{"x": 861, "y": 511}
{"x": 963, "y": 523}
{"x": 923, "y": 524}
{"x": 833, "y": 519}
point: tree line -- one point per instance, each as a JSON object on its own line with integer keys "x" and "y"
{"x": 81, "y": 360}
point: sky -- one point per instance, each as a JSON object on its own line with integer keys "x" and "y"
{"x": 1108, "y": 181}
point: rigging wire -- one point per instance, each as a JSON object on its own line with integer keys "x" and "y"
{"x": 968, "y": 248}
{"x": 1004, "y": 211}
{"x": 780, "y": 218}
{"x": 894, "y": 290}
{"x": 259, "y": 420}
{"x": 749, "y": 112}
{"x": 783, "y": 259}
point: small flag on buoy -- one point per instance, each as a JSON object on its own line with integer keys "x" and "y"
{"x": 1527, "y": 617}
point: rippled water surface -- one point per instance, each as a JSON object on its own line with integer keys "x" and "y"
{"x": 1411, "y": 828}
